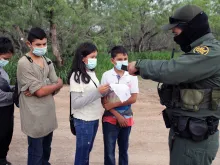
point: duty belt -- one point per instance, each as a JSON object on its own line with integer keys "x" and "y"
{"x": 194, "y": 128}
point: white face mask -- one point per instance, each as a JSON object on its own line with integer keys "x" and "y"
{"x": 3, "y": 62}
{"x": 120, "y": 63}
{"x": 92, "y": 63}
{"x": 40, "y": 51}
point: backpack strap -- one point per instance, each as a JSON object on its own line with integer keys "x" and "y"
{"x": 71, "y": 115}
{"x": 48, "y": 62}
{"x": 31, "y": 61}
{"x": 29, "y": 58}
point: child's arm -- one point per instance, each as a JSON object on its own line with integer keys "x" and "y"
{"x": 121, "y": 120}
{"x": 78, "y": 100}
{"x": 130, "y": 101}
{"x": 31, "y": 85}
{"x": 103, "y": 100}
{"x": 52, "y": 76}
{"x": 48, "y": 89}
{"x": 134, "y": 90}
{"x": 5, "y": 96}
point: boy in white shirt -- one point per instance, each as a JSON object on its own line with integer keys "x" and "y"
{"x": 118, "y": 117}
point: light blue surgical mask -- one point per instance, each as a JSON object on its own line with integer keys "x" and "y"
{"x": 3, "y": 62}
{"x": 120, "y": 63}
{"x": 40, "y": 51}
{"x": 92, "y": 63}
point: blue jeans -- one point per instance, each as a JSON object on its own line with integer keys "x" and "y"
{"x": 39, "y": 150}
{"x": 85, "y": 135}
{"x": 113, "y": 133}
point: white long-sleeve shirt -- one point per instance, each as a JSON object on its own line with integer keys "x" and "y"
{"x": 86, "y": 99}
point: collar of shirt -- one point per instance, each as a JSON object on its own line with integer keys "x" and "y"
{"x": 202, "y": 39}
{"x": 115, "y": 74}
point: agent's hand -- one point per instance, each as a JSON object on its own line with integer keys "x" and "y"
{"x": 103, "y": 89}
{"x": 122, "y": 121}
{"x": 132, "y": 69}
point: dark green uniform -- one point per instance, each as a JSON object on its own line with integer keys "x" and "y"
{"x": 196, "y": 76}
{"x": 194, "y": 69}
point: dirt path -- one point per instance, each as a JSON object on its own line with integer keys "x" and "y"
{"x": 148, "y": 142}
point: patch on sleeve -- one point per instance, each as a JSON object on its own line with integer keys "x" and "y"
{"x": 204, "y": 50}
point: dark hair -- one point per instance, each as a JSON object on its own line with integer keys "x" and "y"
{"x": 78, "y": 66}
{"x": 116, "y": 50}
{"x": 6, "y": 45}
{"x": 36, "y": 33}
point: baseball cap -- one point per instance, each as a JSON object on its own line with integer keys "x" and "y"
{"x": 182, "y": 15}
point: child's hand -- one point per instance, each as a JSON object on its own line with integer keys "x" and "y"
{"x": 27, "y": 93}
{"x": 104, "y": 89}
{"x": 109, "y": 106}
{"x": 122, "y": 121}
{"x": 104, "y": 101}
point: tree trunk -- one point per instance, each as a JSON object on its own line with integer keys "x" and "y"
{"x": 85, "y": 3}
{"x": 138, "y": 45}
{"x": 21, "y": 42}
{"x": 54, "y": 41}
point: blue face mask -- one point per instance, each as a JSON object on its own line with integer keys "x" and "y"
{"x": 3, "y": 62}
{"x": 120, "y": 63}
{"x": 92, "y": 63}
{"x": 40, "y": 51}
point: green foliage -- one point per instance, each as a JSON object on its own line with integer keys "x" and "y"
{"x": 132, "y": 23}
{"x": 11, "y": 68}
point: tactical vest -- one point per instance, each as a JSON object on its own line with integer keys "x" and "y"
{"x": 173, "y": 96}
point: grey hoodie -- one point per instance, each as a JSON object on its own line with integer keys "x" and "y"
{"x": 5, "y": 97}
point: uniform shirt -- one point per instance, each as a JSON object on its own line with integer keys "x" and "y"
{"x": 38, "y": 117}
{"x": 86, "y": 99}
{"x": 197, "y": 69}
{"x": 5, "y": 97}
{"x": 111, "y": 77}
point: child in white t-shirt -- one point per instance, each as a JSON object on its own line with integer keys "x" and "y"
{"x": 118, "y": 116}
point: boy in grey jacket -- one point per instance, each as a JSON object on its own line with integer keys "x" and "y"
{"x": 6, "y": 101}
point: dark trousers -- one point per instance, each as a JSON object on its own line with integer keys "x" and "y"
{"x": 39, "y": 150}
{"x": 113, "y": 133}
{"x": 6, "y": 129}
{"x": 189, "y": 152}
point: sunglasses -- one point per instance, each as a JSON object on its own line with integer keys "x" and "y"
{"x": 178, "y": 21}
{"x": 174, "y": 21}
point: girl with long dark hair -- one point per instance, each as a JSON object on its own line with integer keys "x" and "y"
{"x": 85, "y": 100}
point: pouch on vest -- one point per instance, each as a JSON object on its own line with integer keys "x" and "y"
{"x": 166, "y": 119}
{"x": 191, "y": 99}
{"x": 212, "y": 123}
{"x": 215, "y": 99}
{"x": 198, "y": 129}
{"x": 183, "y": 126}
{"x": 165, "y": 94}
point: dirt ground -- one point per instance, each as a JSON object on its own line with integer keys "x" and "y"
{"x": 148, "y": 141}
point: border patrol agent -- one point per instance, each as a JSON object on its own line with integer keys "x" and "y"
{"x": 190, "y": 89}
